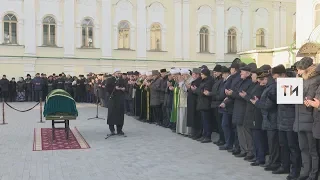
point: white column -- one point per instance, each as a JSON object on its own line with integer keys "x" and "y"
{"x": 141, "y": 30}
{"x": 20, "y": 32}
{"x": 69, "y": 24}
{"x": 78, "y": 35}
{"x": 283, "y": 23}
{"x": 177, "y": 28}
{"x": 148, "y": 39}
{"x": 96, "y": 36}
{"x": 186, "y": 29}
{"x": 59, "y": 34}
{"x": 115, "y": 37}
{"x": 30, "y": 28}
{"x": 163, "y": 40}
{"x": 304, "y": 21}
{"x": 39, "y": 33}
{"x": 211, "y": 42}
{"x": 220, "y": 20}
{"x": 246, "y": 25}
{"x": 132, "y": 38}
{"x": 106, "y": 29}
{"x": 276, "y": 25}
{"x": 1, "y": 34}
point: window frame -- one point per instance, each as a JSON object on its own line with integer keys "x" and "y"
{"x": 156, "y": 29}
{"x": 49, "y": 24}
{"x": 232, "y": 36}
{"x": 87, "y": 24}
{"x": 204, "y": 38}
{"x": 10, "y": 22}
{"x": 124, "y": 29}
{"x": 260, "y": 33}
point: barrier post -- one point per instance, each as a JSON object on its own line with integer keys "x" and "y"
{"x": 41, "y": 111}
{"x": 3, "y": 117}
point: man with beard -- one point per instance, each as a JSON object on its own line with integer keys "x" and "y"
{"x": 13, "y": 90}
{"x": 116, "y": 87}
{"x": 138, "y": 95}
{"x": 60, "y": 82}
{"x": 193, "y": 116}
{"x": 168, "y": 97}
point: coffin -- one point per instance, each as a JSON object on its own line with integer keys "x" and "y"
{"x": 59, "y": 103}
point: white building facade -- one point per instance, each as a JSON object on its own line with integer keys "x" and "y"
{"x": 81, "y": 36}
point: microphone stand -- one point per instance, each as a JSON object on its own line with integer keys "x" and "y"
{"x": 97, "y": 115}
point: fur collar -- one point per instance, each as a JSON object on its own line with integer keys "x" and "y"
{"x": 310, "y": 72}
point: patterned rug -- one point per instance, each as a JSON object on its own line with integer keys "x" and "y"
{"x": 43, "y": 140}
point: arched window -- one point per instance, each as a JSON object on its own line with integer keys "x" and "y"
{"x": 10, "y": 29}
{"x": 49, "y": 31}
{"x": 204, "y": 39}
{"x": 124, "y": 35}
{"x": 317, "y": 15}
{"x": 232, "y": 41}
{"x": 87, "y": 33}
{"x": 155, "y": 37}
{"x": 260, "y": 38}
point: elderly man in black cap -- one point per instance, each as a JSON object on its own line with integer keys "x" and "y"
{"x": 239, "y": 111}
{"x": 288, "y": 139}
{"x": 155, "y": 102}
{"x": 29, "y": 88}
{"x": 37, "y": 87}
{"x": 268, "y": 105}
{"x": 164, "y": 79}
{"x": 215, "y": 102}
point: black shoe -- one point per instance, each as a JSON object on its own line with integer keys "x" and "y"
{"x": 303, "y": 178}
{"x": 120, "y": 133}
{"x": 206, "y": 140}
{"x": 241, "y": 155}
{"x": 230, "y": 150}
{"x": 281, "y": 170}
{"x": 256, "y": 163}
{"x": 248, "y": 158}
{"x": 236, "y": 152}
{"x": 253, "y": 160}
{"x": 272, "y": 167}
{"x": 291, "y": 177}
{"x": 215, "y": 142}
{"x": 220, "y": 143}
{"x": 224, "y": 148}
{"x": 200, "y": 139}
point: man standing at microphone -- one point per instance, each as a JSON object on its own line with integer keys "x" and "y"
{"x": 116, "y": 87}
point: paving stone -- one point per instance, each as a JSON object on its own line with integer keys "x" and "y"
{"x": 148, "y": 153}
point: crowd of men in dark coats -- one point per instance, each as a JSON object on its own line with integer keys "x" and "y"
{"x": 238, "y": 102}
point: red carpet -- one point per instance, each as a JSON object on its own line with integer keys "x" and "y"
{"x": 43, "y": 140}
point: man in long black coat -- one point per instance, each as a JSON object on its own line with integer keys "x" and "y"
{"x": 193, "y": 116}
{"x": 116, "y": 87}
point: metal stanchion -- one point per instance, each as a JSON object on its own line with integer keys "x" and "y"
{"x": 3, "y": 117}
{"x": 41, "y": 111}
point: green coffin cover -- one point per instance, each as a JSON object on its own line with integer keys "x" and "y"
{"x": 60, "y": 102}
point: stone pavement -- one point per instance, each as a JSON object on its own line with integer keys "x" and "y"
{"x": 148, "y": 153}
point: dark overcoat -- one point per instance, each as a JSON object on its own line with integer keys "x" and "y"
{"x": 116, "y": 101}
{"x": 193, "y": 116}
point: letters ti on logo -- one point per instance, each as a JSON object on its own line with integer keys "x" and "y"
{"x": 289, "y": 91}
